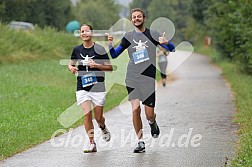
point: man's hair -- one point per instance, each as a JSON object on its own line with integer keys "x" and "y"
{"x": 137, "y": 10}
{"x": 90, "y": 27}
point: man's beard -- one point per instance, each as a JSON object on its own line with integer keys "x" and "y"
{"x": 140, "y": 25}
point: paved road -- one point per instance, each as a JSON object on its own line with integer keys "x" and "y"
{"x": 194, "y": 113}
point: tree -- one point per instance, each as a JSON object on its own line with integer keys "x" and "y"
{"x": 98, "y": 13}
{"x": 175, "y": 10}
{"x": 156, "y": 10}
{"x": 15, "y": 10}
{"x": 143, "y": 4}
{"x": 229, "y": 23}
{"x": 41, "y": 12}
{"x": 198, "y": 8}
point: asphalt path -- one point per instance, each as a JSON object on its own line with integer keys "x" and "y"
{"x": 194, "y": 113}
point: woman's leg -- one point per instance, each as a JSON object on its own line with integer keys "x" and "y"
{"x": 88, "y": 124}
{"x": 98, "y": 114}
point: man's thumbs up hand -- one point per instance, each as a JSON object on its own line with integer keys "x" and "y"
{"x": 110, "y": 38}
{"x": 162, "y": 39}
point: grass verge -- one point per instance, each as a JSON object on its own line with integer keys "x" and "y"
{"x": 35, "y": 89}
{"x": 32, "y": 96}
{"x": 241, "y": 85}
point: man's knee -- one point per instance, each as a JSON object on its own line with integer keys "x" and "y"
{"x": 136, "y": 111}
{"x": 150, "y": 115}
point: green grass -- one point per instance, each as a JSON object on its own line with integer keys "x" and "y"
{"x": 32, "y": 96}
{"x": 33, "y": 85}
{"x": 35, "y": 89}
{"x": 40, "y": 44}
{"x": 115, "y": 96}
{"x": 241, "y": 85}
{"x": 31, "y": 99}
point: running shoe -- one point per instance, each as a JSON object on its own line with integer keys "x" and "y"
{"x": 105, "y": 133}
{"x": 140, "y": 147}
{"x": 154, "y": 129}
{"x": 91, "y": 149}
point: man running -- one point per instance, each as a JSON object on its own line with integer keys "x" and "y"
{"x": 141, "y": 71}
{"x": 92, "y": 62}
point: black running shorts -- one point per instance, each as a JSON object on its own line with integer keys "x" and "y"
{"x": 145, "y": 92}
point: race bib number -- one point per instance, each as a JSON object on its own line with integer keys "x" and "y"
{"x": 140, "y": 56}
{"x": 88, "y": 79}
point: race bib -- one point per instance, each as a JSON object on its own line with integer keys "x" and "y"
{"x": 140, "y": 56}
{"x": 88, "y": 79}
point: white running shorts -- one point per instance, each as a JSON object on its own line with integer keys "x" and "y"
{"x": 98, "y": 98}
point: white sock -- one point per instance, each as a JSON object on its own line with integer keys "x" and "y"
{"x": 151, "y": 122}
{"x": 140, "y": 140}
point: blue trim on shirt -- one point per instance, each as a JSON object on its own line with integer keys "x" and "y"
{"x": 170, "y": 46}
{"x": 115, "y": 52}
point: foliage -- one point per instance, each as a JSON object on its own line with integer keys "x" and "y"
{"x": 175, "y": 10}
{"x": 233, "y": 41}
{"x": 35, "y": 88}
{"x": 156, "y": 10}
{"x": 40, "y": 44}
{"x": 197, "y": 9}
{"x": 98, "y": 13}
{"x": 40, "y": 12}
{"x": 143, "y": 4}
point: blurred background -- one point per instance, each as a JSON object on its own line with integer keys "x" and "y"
{"x": 36, "y": 34}
{"x": 225, "y": 24}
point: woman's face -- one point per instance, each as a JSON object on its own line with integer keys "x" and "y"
{"x": 86, "y": 33}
